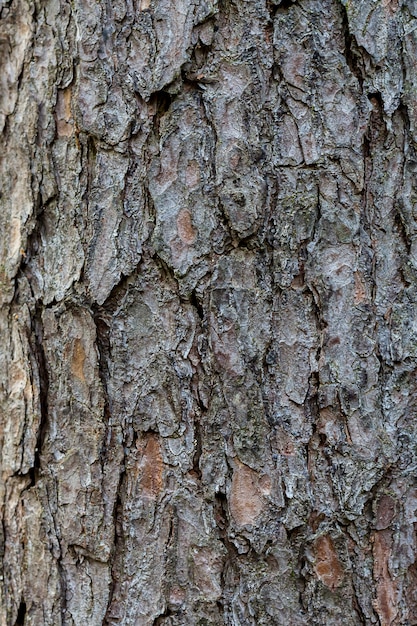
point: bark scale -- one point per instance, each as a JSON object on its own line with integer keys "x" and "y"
{"x": 208, "y": 312}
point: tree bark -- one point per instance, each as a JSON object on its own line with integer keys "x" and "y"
{"x": 208, "y": 312}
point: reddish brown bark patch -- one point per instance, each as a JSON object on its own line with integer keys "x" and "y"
{"x": 328, "y": 568}
{"x": 315, "y": 520}
{"x": 185, "y": 228}
{"x": 386, "y": 590}
{"x": 246, "y": 501}
{"x": 78, "y": 360}
{"x": 192, "y": 175}
{"x": 385, "y": 512}
{"x": 152, "y": 467}
{"x": 411, "y": 593}
{"x": 64, "y": 120}
{"x": 360, "y": 288}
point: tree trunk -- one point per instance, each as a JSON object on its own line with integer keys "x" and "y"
{"x": 208, "y": 312}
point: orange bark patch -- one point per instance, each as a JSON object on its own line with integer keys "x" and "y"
{"x": 185, "y": 228}
{"x": 328, "y": 568}
{"x": 246, "y": 495}
{"x": 386, "y": 591}
{"x": 64, "y": 125}
{"x": 78, "y": 359}
{"x": 152, "y": 467}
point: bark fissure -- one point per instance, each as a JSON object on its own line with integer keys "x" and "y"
{"x": 43, "y": 394}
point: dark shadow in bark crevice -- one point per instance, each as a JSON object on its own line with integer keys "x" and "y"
{"x": 21, "y": 614}
{"x": 37, "y": 334}
{"x": 161, "y": 618}
{"x": 355, "y": 54}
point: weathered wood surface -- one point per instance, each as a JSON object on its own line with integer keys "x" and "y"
{"x": 208, "y": 312}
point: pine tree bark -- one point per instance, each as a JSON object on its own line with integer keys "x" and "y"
{"x": 208, "y": 312}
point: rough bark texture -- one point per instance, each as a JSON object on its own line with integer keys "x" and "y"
{"x": 208, "y": 312}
